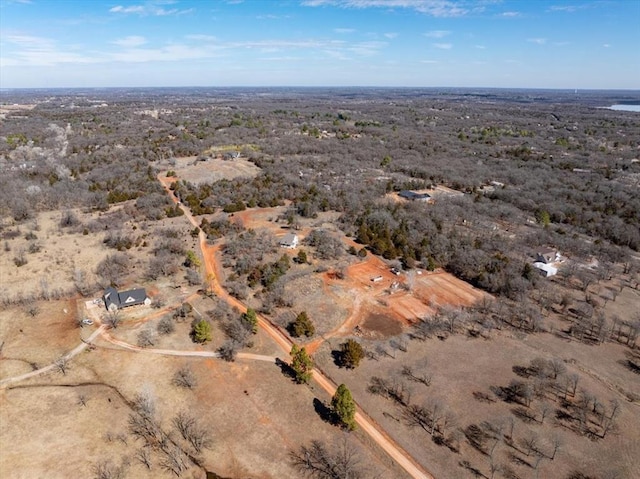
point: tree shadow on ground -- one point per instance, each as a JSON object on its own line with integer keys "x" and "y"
{"x": 523, "y": 414}
{"x": 323, "y": 411}
{"x": 286, "y": 370}
{"x": 337, "y": 358}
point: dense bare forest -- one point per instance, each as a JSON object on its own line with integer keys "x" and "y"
{"x": 567, "y": 166}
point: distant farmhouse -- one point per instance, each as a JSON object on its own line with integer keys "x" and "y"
{"x": 114, "y": 300}
{"x": 289, "y": 241}
{"x": 548, "y": 255}
{"x": 232, "y": 155}
{"x": 413, "y": 196}
{"x": 546, "y": 260}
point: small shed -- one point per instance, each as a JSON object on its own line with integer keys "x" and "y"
{"x": 289, "y": 241}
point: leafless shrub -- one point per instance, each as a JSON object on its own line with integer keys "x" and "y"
{"x": 68, "y": 219}
{"x": 166, "y": 325}
{"x": 146, "y": 338}
{"x": 229, "y": 350}
{"x": 185, "y": 378}
{"x": 193, "y": 277}
{"x": 108, "y": 470}
{"x": 174, "y": 460}
{"x": 112, "y": 318}
{"x": 113, "y": 268}
{"x": 20, "y": 258}
{"x": 62, "y": 365}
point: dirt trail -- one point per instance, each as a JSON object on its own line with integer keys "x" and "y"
{"x": 74, "y": 352}
{"x": 213, "y": 274}
{"x": 180, "y": 352}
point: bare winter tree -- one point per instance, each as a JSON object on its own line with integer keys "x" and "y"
{"x": 146, "y": 338}
{"x": 196, "y": 435}
{"x": 185, "y": 378}
{"x": 109, "y": 470}
{"x": 319, "y": 461}
{"x": 143, "y": 455}
{"x": 420, "y": 375}
{"x": 112, "y": 318}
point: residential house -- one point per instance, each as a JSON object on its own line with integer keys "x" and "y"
{"x": 546, "y": 269}
{"x": 413, "y": 196}
{"x": 289, "y": 240}
{"x": 547, "y": 255}
{"x": 114, "y": 300}
{"x": 232, "y": 155}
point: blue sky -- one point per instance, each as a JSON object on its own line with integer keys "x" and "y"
{"x": 430, "y": 43}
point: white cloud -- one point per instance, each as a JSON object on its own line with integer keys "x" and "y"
{"x": 130, "y": 41}
{"x": 480, "y": 47}
{"x": 537, "y": 41}
{"x": 367, "y": 49}
{"x": 435, "y": 8}
{"x": 281, "y": 59}
{"x": 566, "y": 8}
{"x": 437, "y": 33}
{"x": 153, "y": 8}
{"x": 429, "y": 62}
{"x": 336, "y": 54}
{"x": 510, "y": 14}
{"x": 29, "y": 50}
{"x": 606, "y": 45}
{"x": 167, "y": 53}
{"x": 391, "y": 35}
{"x": 132, "y": 9}
{"x": 443, "y": 46}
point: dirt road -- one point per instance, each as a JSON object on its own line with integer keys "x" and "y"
{"x": 51, "y": 367}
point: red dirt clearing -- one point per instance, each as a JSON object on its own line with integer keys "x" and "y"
{"x": 440, "y": 289}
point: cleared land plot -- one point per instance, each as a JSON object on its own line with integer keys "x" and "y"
{"x": 368, "y": 289}
{"x": 444, "y": 289}
{"x": 214, "y": 169}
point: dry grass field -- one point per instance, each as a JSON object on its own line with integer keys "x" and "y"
{"x": 58, "y": 258}
{"x": 461, "y": 366}
{"x": 189, "y": 169}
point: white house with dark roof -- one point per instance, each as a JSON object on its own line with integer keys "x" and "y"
{"x": 114, "y": 300}
{"x": 548, "y": 255}
{"x": 290, "y": 241}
